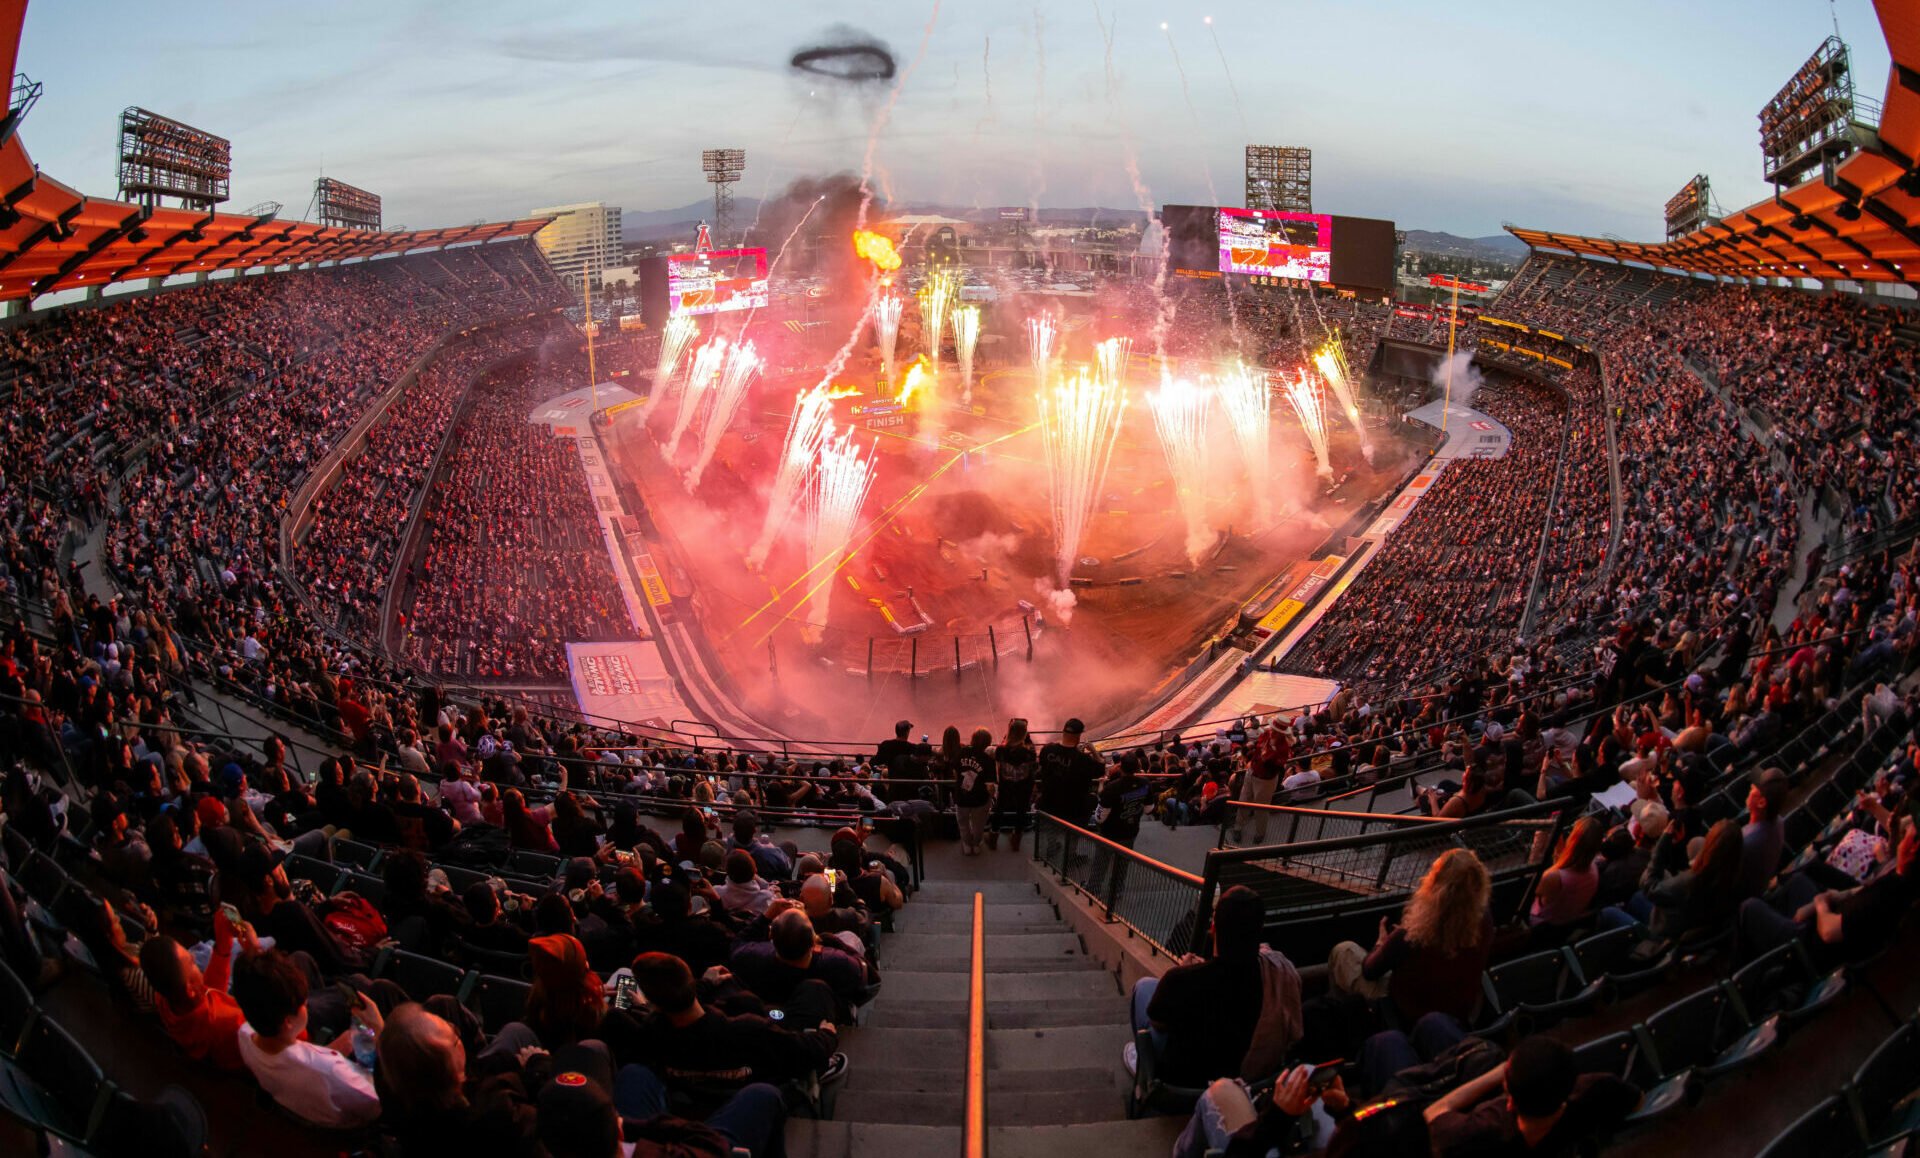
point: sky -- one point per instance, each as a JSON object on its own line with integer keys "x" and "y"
{"x": 1459, "y": 117}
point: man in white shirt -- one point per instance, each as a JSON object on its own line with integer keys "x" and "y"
{"x": 319, "y": 1084}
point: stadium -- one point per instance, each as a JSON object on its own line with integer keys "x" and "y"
{"x": 868, "y": 675}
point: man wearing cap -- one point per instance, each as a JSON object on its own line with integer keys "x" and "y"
{"x": 586, "y": 1111}
{"x": 1067, "y": 773}
{"x": 898, "y": 759}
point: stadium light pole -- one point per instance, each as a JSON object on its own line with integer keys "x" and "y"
{"x": 593, "y": 379}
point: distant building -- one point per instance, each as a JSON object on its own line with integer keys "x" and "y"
{"x": 583, "y": 240}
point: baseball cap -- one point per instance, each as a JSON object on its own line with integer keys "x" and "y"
{"x": 1073, "y": 725}
{"x": 577, "y": 1118}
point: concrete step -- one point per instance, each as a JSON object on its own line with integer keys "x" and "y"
{"x": 1146, "y": 1138}
{"x": 950, "y": 917}
{"x": 1029, "y": 984}
{"x": 936, "y": 1079}
{"x": 1045, "y": 1013}
{"x": 1025, "y": 1050}
{"x": 961, "y": 892}
{"x": 1015, "y": 1107}
{"x": 1058, "y": 942}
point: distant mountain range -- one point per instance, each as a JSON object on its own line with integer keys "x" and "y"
{"x": 1498, "y": 247}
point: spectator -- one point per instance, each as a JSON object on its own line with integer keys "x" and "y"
{"x": 1566, "y": 888}
{"x": 1430, "y": 961}
{"x": 792, "y": 955}
{"x": 1207, "y": 1014}
{"x": 699, "y": 1046}
{"x": 1838, "y": 925}
{"x": 743, "y": 891}
{"x": 1765, "y": 834}
{"x": 1537, "y": 1101}
{"x": 972, "y": 771}
{"x": 432, "y": 1104}
{"x": 1014, "y": 767}
{"x": 565, "y": 1002}
{"x": 195, "y": 1009}
{"x": 319, "y": 1084}
{"x": 1066, "y": 773}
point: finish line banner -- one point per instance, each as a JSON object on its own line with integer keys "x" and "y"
{"x": 625, "y": 681}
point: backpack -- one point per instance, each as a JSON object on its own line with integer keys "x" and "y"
{"x": 354, "y": 922}
{"x": 1466, "y": 1060}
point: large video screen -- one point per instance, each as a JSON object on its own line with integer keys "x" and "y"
{"x": 1364, "y": 259}
{"x": 1193, "y": 238}
{"x": 717, "y": 281}
{"x": 1298, "y": 246}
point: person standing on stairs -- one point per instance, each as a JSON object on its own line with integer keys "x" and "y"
{"x": 972, "y": 770}
{"x": 1066, "y": 773}
{"x": 1015, "y": 766}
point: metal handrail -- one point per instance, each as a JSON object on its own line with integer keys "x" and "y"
{"x": 973, "y": 1125}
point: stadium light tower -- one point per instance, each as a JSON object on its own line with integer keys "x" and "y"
{"x": 1280, "y": 177}
{"x": 723, "y": 167}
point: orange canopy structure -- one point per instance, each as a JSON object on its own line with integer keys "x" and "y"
{"x": 1859, "y": 226}
{"x": 55, "y": 238}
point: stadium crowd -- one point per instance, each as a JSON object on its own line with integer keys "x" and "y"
{"x": 512, "y": 564}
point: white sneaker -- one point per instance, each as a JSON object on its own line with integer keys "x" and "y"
{"x": 1130, "y": 1057}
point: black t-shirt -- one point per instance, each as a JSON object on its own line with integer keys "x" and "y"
{"x": 1066, "y": 776}
{"x": 973, "y": 775}
{"x": 1016, "y": 770}
{"x": 1125, "y": 802}
{"x": 1870, "y": 914}
{"x": 1208, "y": 1012}
{"x": 1489, "y": 1129}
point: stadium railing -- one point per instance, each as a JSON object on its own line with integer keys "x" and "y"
{"x": 1153, "y": 900}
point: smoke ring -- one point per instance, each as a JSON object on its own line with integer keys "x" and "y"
{"x": 859, "y": 63}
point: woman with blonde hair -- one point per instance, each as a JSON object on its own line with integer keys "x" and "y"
{"x": 1431, "y": 961}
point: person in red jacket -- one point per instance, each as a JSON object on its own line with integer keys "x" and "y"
{"x": 195, "y": 1008}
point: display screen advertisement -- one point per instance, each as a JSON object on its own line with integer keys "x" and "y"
{"x": 716, "y": 281}
{"x": 1289, "y": 245}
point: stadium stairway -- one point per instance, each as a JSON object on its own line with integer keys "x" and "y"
{"x": 1056, "y": 1023}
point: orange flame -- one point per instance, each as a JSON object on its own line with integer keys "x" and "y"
{"x": 917, "y": 380}
{"x": 876, "y": 248}
{"x": 839, "y": 392}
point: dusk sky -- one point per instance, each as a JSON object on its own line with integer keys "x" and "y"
{"x": 1441, "y": 116}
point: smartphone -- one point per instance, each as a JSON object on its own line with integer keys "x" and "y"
{"x": 233, "y": 915}
{"x": 777, "y": 1014}
{"x": 625, "y": 992}
{"x": 833, "y": 878}
{"x": 348, "y": 994}
{"x": 1324, "y": 1074}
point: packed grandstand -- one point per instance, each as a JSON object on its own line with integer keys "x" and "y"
{"x": 1605, "y": 841}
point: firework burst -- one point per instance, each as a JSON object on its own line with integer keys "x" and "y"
{"x": 1248, "y": 403}
{"x": 808, "y": 429}
{"x": 966, "y": 333}
{"x": 1181, "y": 408}
{"x": 1311, "y": 406}
{"x": 841, "y": 477}
{"x": 708, "y": 362}
{"x": 736, "y": 376}
{"x": 1079, "y": 420}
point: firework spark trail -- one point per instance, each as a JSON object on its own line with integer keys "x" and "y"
{"x": 741, "y": 368}
{"x": 1228, "y": 69}
{"x": 1110, "y": 360}
{"x": 1206, "y": 169}
{"x": 1311, "y": 407}
{"x": 773, "y": 268}
{"x": 1181, "y": 408}
{"x": 1248, "y": 402}
{"x": 674, "y": 337}
{"x": 1080, "y": 422}
{"x": 840, "y": 483}
{"x": 966, "y": 332}
{"x": 886, "y": 325}
{"x": 935, "y": 300}
{"x": 1331, "y": 364}
{"x": 1142, "y": 196}
{"x": 708, "y": 361}
{"x": 808, "y": 429}
{"x": 1040, "y": 344}
{"x": 880, "y": 124}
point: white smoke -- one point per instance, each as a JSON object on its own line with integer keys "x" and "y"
{"x": 1058, "y": 602}
{"x": 1467, "y": 378}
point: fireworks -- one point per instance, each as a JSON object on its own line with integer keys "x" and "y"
{"x": 741, "y": 367}
{"x": 886, "y": 324}
{"x": 840, "y": 481}
{"x": 1180, "y": 411}
{"x": 1331, "y": 361}
{"x": 917, "y": 382}
{"x": 1248, "y": 403}
{"x": 966, "y": 332}
{"x": 1079, "y": 419}
{"x": 673, "y": 343}
{"x": 936, "y": 298}
{"x": 1110, "y": 360}
{"x": 1311, "y": 407}
{"x": 708, "y": 361}
{"x": 878, "y": 249}
{"x": 1040, "y": 343}
{"x": 807, "y": 431}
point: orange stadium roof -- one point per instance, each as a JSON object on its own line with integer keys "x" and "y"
{"x": 55, "y": 238}
{"x": 1862, "y": 227}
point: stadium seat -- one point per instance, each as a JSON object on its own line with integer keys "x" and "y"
{"x": 55, "y": 1085}
{"x": 460, "y": 879}
{"x": 16, "y": 1010}
{"x": 1882, "y": 1088}
{"x": 1828, "y": 1128}
{"x": 1624, "y": 1056}
{"x": 42, "y": 879}
{"x": 324, "y": 874}
{"x": 537, "y": 865}
{"x": 172, "y": 1125}
{"x": 1609, "y": 955}
{"x": 1540, "y": 988}
{"x": 1149, "y": 1094}
{"x": 1784, "y": 981}
{"x": 1706, "y": 1032}
{"x": 357, "y": 855}
{"x": 373, "y": 888}
{"x": 497, "y": 1000}
{"x": 422, "y": 977}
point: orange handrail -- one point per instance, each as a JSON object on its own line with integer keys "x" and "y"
{"x": 973, "y": 1129}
